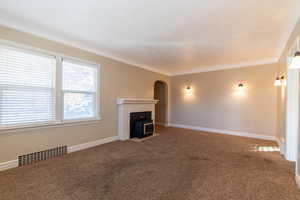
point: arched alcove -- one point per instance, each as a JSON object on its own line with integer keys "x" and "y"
{"x": 161, "y": 108}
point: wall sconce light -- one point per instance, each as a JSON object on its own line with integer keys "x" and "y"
{"x": 188, "y": 90}
{"x": 283, "y": 80}
{"x": 240, "y": 89}
{"x": 295, "y": 61}
{"x": 277, "y": 82}
{"x": 280, "y": 81}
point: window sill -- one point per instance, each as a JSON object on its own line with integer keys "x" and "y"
{"x": 50, "y": 125}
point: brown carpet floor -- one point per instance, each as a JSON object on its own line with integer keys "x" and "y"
{"x": 178, "y": 164}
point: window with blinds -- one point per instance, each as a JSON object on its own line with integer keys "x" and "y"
{"x": 27, "y": 88}
{"x": 79, "y": 90}
{"x": 33, "y": 92}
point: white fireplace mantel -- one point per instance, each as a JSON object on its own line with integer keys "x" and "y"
{"x": 127, "y": 106}
{"x": 136, "y": 101}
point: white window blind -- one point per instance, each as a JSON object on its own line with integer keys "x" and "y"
{"x": 38, "y": 89}
{"x": 27, "y": 88}
{"x": 79, "y": 90}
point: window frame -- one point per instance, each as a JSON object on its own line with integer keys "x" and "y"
{"x": 95, "y": 94}
{"x": 58, "y": 90}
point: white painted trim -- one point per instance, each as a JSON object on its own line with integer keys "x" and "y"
{"x": 47, "y": 126}
{"x": 298, "y": 180}
{"x": 14, "y": 163}
{"x": 87, "y": 145}
{"x": 136, "y": 101}
{"x": 227, "y": 66}
{"x": 8, "y": 165}
{"x": 288, "y": 32}
{"x": 129, "y": 106}
{"x": 227, "y": 132}
{"x": 281, "y": 144}
{"x": 292, "y": 109}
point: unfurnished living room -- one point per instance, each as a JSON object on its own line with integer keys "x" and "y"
{"x": 149, "y": 100}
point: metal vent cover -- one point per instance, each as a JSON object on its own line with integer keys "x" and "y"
{"x": 42, "y": 155}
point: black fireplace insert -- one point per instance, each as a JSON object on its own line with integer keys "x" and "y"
{"x": 141, "y": 124}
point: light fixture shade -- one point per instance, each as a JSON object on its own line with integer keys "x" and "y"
{"x": 283, "y": 81}
{"x": 277, "y": 82}
{"x": 295, "y": 63}
{"x": 188, "y": 90}
{"x": 240, "y": 89}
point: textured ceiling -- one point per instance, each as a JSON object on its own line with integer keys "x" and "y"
{"x": 169, "y": 36}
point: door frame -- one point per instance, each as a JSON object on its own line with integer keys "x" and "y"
{"x": 167, "y": 95}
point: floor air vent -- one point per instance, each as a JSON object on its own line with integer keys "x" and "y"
{"x": 42, "y": 155}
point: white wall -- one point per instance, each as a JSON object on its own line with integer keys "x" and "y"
{"x": 215, "y": 102}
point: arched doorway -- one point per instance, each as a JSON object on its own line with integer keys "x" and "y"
{"x": 161, "y": 108}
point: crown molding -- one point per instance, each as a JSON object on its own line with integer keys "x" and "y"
{"x": 287, "y": 34}
{"x": 27, "y": 28}
{"x": 72, "y": 43}
{"x": 227, "y": 66}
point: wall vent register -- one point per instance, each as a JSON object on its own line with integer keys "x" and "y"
{"x": 41, "y": 155}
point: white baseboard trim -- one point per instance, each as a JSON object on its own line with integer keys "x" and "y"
{"x": 227, "y": 132}
{"x": 14, "y": 163}
{"x": 87, "y": 145}
{"x": 298, "y": 180}
{"x": 280, "y": 142}
{"x": 8, "y": 165}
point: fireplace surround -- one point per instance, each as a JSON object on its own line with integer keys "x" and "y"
{"x": 127, "y": 106}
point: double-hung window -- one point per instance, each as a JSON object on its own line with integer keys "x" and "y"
{"x": 39, "y": 89}
{"x": 79, "y": 90}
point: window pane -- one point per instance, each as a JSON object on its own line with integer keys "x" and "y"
{"x": 23, "y": 107}
{"x": 25, "y": 69}
{"x": 26, "y": 87}
{"x": 78, "y": 105}
{"x": 78, "y": 77}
